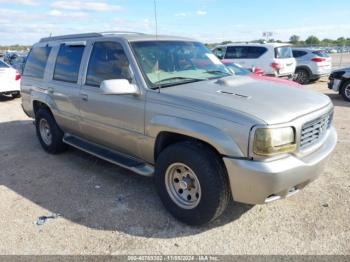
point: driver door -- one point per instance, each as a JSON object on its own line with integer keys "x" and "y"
{"x": 115, "y": 121}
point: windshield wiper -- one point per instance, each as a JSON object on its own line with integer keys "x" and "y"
{"x": 217, "y": 72}
{"x": 180, "y": 78}
{"x": 185, "y": 81}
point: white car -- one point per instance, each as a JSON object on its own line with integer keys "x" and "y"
{"x": 9, "y": 81}
{"x": 275, "y": 59}
{"x": 312, "y": 64}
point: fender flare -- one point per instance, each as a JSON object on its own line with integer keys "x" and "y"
{"x": 222, "y": 142}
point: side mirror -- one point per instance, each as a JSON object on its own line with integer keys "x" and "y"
{"x": 118, "y": 87}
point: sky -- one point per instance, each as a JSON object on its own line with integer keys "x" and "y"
{"x": 26, "y": 21}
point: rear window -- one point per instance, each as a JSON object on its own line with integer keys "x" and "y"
{"x": 68, "y": 63}
{"x": 244, "y": 52}
{"x": 3, "y": 65}
{"x": 36, "y": 62}
{"x": 320, "y": 53}
{"x": 283, "y": 52}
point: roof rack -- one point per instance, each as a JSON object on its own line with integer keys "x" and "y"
{"x": 86, "y": 35}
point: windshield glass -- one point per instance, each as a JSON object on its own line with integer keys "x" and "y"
{"x": 237, "y": 69}
{"x": 283, "y": 52}
{"x": 167, "y": 63}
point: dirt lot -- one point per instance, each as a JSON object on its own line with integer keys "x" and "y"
{"x": 107, "y": 210}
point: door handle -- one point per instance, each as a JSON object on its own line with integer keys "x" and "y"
{"x": 84, "y": 97}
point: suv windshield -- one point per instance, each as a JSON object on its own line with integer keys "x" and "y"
{"x": 168, "y": 63}
{"x": 283, "y": 52}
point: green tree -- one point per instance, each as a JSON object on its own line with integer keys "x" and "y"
{"x": 312, "y": 40}
{"x": 294, "y": 39}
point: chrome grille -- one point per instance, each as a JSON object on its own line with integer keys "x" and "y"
{"x": 314, "y": 131}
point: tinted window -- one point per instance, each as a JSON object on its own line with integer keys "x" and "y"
{"x": 283, "y": 52}
{"x": 233, "y": 52}
{"x": 36, "y": 62}
{"x": 3, "y": 65}
{"x": 107, "y": 61}
{"x": 68, "y": 63}
{"x": 255, "y": 51}
{"x": 244, "y": 52}
{"x": 298, "y": 53}
{"x": 321, "y": 53}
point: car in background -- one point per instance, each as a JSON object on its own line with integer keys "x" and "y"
{"x": 312, "y": 64}
{"x": 275, "y": 59}
{"x": 339, "y": 81}
{"x": 18, "y": 62}
{"x": 10, "y": 80}
{"x": 240, "y": 71}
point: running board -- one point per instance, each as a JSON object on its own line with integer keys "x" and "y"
{"x": 111, "y": 156}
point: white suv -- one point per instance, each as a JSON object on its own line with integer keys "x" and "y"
{"x": 275, "y": 59}
{"x": 312, "y": 64}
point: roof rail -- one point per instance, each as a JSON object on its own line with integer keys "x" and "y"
{"x": 120, "y": 33}
{"x": 63, "y": 37}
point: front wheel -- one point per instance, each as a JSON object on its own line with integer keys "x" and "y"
{"x": 192, "y": 183}
{"x": 345, "y": 91}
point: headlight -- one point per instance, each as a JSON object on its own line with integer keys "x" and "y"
{"x": 272, "y": 141}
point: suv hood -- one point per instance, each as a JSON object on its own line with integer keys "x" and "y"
{"x": 273, "y": 103}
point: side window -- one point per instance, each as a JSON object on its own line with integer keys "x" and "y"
{"x": 36, "y": 62}
{"x": 107, "y": 61}
{"x": 236, "y": 52}
{"x": 297, "y": 53}
{"x": 68, "y": 63}
{"x": 255, "y": 51}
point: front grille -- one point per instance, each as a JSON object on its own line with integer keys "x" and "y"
{"x": 314, "y": 131}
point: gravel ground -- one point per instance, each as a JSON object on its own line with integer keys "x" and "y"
{"x": 107, "y": 210}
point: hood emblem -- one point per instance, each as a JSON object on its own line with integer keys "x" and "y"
{"x": 233, "y": 94}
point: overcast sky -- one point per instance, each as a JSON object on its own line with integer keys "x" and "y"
{"x": 26, "y": 21}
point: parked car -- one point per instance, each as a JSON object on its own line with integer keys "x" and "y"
{"x": 339, "y": 81}
{"x": 9, "y": 80}
{"x": 9, "y": 57}
{"x": 167, "y": 107}
{"x": 312, "y": 64}
{"x": 241, "y": 71}
{"x": 18, "y": 63}
{"x": 274, "y": 59}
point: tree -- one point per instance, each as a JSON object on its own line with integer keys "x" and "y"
{"x": 294, "y": 39}
{"x": 312, "y": 40}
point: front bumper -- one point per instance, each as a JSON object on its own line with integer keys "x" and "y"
{"x": 257, "y": 182}
{"x": 334, "y": 84}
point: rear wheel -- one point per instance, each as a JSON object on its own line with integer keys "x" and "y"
{"x": 302, "y": 76}
{"x": 345, "y": 91}
{"x": 16, "y": 95}
{"x": 48, "y": 132}
{"x": 192, "y": 183}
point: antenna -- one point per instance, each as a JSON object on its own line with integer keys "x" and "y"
{"x": 156, "y": 24}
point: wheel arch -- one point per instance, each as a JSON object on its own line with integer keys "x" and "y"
{"x": 169, "y": 130}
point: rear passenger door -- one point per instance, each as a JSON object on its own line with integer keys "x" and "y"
{"x": 64, "y": 86}
{"x": 116, "y": 121}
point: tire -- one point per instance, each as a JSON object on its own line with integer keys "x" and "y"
{"x": 302, "y": 76}
{"x": 213, "y": 190}
{"x": 345, "y": 91}
{"x": 16, "y": 95}
{"x": 48, "y": 132}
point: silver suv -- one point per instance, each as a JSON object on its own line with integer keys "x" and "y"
{"x": 167, "y": 107}
{"x": 312, "y": 64}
